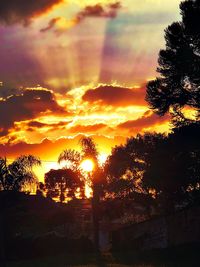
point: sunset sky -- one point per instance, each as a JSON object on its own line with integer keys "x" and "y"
{"x": 76, "y": 67}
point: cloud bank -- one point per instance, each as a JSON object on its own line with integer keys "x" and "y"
{"x": 26, "y": 105}
{"x": 22, "y": 11}
{"x": 115, "y": 96}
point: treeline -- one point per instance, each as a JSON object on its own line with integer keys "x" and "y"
{"x": 152, "y": 169}
{"x": 165, "y": 168}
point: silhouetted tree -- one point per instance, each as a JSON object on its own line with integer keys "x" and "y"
{"x": 19, "y": 173}
{"x": 72, "y": 158}
{"x": 179, "y": 67}
{"x": 40, "y": 189}
{"x": 4, "y": 173}
{"x": 13, "y": 177}
{"x": 89, "y": 150}
{"x": 124, "y": 168}
{"x": 120, "y": 173}
{"x": 173, "y": 168}
{"x": 62, "y": 183}
{"x": 95, "y": 177}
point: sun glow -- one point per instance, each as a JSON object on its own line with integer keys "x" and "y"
{"x": 102, "y": 158}
{"x": 87, "y": 165}
{"x": 88, "y": 191}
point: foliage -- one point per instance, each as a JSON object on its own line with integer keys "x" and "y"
{"x": 173, "y": 169}
{"x": 165, "y": 168}
{"x": 62, "y": 183}
{"x": 179, "y": 67}
{"x": 71, "y": 156}
{"x": 88, "y": 151}
{"x": 125, "y": 166}
{"x": 19, "y": 173}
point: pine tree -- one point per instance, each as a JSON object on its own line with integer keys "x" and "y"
{"x": 178, "y": 84}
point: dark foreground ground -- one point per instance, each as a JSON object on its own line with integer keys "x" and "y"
{"x": 26, "y": 214}
{"x": 178, "y": 257}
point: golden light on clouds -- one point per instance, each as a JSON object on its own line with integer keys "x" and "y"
{"x": 93, "y": 61}
{"x": 64, "y": 24}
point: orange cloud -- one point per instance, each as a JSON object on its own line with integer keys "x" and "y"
{"x": 102, "y": 11}
{"x": 50, "y": 150}
{"x": 148, "y": 120}
{"x": 28, "y": 104}
{"x": 105, "y": 110}
{"x": 87, "y": 128}
{"x": 115, "y": 96}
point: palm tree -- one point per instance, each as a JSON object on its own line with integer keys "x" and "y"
{"x": 13, "y": 177}
{"x": 74, "y": 158}
{"x": 3, "y": 173}
{"x": 19, "y": 173}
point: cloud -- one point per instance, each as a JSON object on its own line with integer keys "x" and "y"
{"x": 22, "y": 11}
{"x": 37, "y": 124}
{"x": 51, "y": 24}
{"x": 116, "y": 96}
{"x": 148, "y": 120}
{"x": 50, "y": 150}
{"x": 87, "y": 128}
{"x": 8, "y": 91}
{"x": 99, "y": 11}
{"x": 26, "y": 105}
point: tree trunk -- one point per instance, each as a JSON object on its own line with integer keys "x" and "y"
{"x": 95, "y": 213}
{"x": 61, "y": 192}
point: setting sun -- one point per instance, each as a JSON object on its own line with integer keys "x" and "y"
{"x": 87, "y": 165}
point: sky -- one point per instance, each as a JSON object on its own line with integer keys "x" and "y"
{"x": 70, "y": 68}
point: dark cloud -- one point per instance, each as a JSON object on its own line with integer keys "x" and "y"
{"x": 37, "y": 124}
{"x": 50, "y": 25}
{"x": 8, "y": 91}
{"x": 25, "y": 106}
{"x": 149, "y": 119}
{"x": 33, "y": 126}
{"x": 108, "y": 11}
{"x": 22, "y": 11}
{"x": 98, "y": 10}
{"x": 116, "y": 96}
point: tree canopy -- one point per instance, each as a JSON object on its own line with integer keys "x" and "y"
{"x": 89, "y": 151}
{"x": 62, "y": 183}
{"x": 124, "y": 168}
{"x": 178, "y": 85}
{"x": 16, "y": 175}
{"x": 164, "y": 168}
